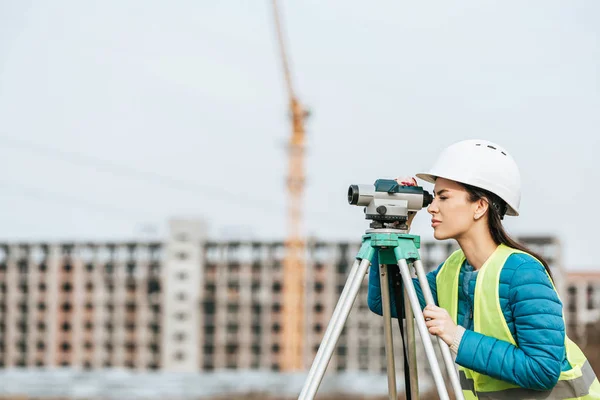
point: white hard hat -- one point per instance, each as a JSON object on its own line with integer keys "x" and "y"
{"x": 482, "y": 164}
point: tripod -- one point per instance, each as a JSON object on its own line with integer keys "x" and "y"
{"x": 394, "y": 246}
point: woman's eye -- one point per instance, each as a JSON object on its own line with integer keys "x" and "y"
{"x": 442, "y": 197}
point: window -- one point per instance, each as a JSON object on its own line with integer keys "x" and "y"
{"x": 233, "y": 308}
{"x": 277, "y": 287}
{"x": 181, "y": 296}
{"x": 209, "y": 330}
{"x": 572, "y": 298}
{"x": 231, "y": 348}
{"x": 154, "y": 327}
{"x": 130, "y": 268}
{"x": 211, "y": 289}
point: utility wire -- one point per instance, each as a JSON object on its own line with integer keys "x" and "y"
{"x": 44, "y": 195}
{"x": 120, "y": 170}
{"x": 220, "y": 193}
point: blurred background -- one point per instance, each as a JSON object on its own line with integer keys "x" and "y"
{"x": 174, "y": 221}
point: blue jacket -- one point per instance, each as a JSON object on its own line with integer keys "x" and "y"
{"x": 533, "y": 313}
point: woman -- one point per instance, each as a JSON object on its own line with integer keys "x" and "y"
{"x": 496, "y": 304}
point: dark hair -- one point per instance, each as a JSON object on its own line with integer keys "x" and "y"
{"x": 496, "y": 212}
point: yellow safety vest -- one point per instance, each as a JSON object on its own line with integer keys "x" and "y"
{"x": 578, "y": 383}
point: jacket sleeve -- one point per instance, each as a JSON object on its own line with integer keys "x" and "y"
{"x": 540, "y": 335}
{"x": 374, "y": 293}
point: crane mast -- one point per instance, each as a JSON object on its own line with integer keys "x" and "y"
{"x": 293, "y": 263}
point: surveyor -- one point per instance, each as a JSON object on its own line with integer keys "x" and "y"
{"x": 496, "y": 303}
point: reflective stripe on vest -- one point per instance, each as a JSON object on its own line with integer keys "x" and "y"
{"x": 488, "y": 319}
{"x": 576, "y": 388}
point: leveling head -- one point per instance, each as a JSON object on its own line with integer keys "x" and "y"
{"x": 387, "y": 202}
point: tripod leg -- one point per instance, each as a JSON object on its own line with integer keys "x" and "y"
{"x": 334, "y": 317}
{"x": 334, "y": 329}
{"x": 423, "y": 331}
{"x": 411, "y": 348}
{"x": 450, "y": 368}
{"x": 387, "y": 328}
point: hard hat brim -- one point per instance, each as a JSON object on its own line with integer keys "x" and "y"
{"x": 431, "y": 179}
{"x": 426, "y": 177}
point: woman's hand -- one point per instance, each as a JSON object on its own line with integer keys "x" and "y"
{"x": 440, "y": 323}
{"x": 408, "y": 181}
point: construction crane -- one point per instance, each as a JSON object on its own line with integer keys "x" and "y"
{"x": 293, "y": 263}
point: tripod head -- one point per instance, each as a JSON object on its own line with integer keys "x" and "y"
{"x": 388, "y": 204}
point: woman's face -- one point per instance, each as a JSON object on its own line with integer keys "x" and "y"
{"x": 452, "y": 214}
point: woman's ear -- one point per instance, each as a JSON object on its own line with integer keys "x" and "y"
{"x": 481, "y": 207}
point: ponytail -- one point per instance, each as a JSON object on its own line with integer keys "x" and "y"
{"x": 496, "y": 213}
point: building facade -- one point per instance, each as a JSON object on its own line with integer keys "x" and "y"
{"x": 190, "y": 304}
{"x": 582, "y": 304}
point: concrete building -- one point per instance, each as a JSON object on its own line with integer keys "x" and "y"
{"x": 189, "y": 304}
{"x": 582, "y": 304}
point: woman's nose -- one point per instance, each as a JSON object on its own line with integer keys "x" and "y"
{"x": 433, "y": 208}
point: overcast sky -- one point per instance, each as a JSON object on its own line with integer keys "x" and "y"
{"x": 116, "y": 115}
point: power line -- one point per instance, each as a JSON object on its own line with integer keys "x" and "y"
{"x": 121, "y": 170}
{"x": 44, "y": 195}
{"x": 220, "y": 193}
